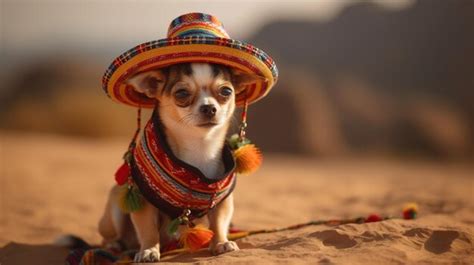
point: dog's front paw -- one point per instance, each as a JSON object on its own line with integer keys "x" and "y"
{"x": 148, "y": 255}
{"x": 224, "y": 247}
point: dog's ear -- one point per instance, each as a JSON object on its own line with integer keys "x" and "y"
{"x": 241, "y": 80}
{"x": 148, "y": 83}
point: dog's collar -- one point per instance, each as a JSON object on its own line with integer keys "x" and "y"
{"x": 170, "y": 183}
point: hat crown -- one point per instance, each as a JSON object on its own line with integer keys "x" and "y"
{"x": 196, "y": 24}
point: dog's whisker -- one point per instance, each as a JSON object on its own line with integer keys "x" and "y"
{"x": 185, "y": 119}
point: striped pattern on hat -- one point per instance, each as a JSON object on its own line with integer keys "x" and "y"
{"x": 194, "y": 37}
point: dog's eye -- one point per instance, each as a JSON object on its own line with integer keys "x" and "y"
{"x": 182, "y": 93}
{"x": 226, "y": 91}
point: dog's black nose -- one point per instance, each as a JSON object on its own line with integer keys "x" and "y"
{"x": 208, "y": 110}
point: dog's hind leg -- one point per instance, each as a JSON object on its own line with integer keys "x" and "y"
{"x": 111, "y": 225}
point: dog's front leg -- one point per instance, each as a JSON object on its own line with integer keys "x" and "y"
{"x": 219, "y": 221}
{"x": 146, "y": 223}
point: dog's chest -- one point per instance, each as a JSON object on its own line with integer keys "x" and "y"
{"x": 210, "y": 166}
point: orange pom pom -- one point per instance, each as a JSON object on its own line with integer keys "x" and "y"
{"x": 196, "y": 238}
{"x": 248, "y": 159}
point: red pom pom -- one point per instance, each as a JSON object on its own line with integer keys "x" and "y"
{"x": 373, "y": 218}
{"x": 122, "y": 174}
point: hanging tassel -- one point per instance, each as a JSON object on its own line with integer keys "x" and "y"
{"x": 130, "y": 198}
{"x": 122, "y": 174}
{"x": 410, "y": 211}
{"x": 173, "y": 227}
{"x": 195, "y": 238}
{"x": 248, "y": 159}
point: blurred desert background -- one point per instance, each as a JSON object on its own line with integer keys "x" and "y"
{"x": 374, "y": 108}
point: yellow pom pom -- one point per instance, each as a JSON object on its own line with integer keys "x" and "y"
{"x": 411, "y": 206}
{"x": 196, "y": 238}
{"x": 248, "y": 159}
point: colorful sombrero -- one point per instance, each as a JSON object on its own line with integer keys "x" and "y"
{"x": 194, "y": 37}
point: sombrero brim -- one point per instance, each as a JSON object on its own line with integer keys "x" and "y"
{"x": 165, "y": 52}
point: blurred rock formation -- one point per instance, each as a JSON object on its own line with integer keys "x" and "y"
{"x": 370, "y": 81}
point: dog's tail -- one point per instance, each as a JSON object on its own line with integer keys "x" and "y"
{"x": 71, "y": 242}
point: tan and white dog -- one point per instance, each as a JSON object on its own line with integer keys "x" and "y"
{"x": 196, "y": 103}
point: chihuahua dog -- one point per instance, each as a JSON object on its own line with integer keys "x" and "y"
{"x": 195, "y": 103}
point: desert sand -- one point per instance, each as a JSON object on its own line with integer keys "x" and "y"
{"x": 52, "y": 186}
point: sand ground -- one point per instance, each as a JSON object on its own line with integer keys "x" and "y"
{"x": 50, "y": 186}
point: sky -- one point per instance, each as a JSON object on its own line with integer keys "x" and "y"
{"x": 42, "y": 26}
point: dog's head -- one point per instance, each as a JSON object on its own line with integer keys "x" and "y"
{"x": 194, "y": 95}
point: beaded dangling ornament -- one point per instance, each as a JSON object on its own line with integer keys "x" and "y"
{"x": 130, "y": 198}
{"x": 247, "y": 156}
{"x": 193, "y": 237}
